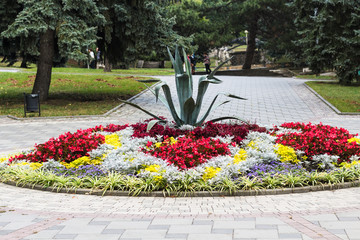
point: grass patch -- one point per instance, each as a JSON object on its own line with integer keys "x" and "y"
{"x": 313, "y": 76}
{"x": 131, "y": 71}
{"x": 70, "y": 94}
{"x": 344, "y": 98}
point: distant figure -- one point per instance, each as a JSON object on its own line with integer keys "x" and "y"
{"x": 191, "y": 59}
{"x": 92, "y": 59}
{"x": 98, "y": 57}
{"x": 206, "y": 60}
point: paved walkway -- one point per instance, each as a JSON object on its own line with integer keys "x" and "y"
{"x": 31, "y": 214}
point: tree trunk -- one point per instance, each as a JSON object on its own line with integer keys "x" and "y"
{"x": 45, "y": 63}
{"x": 24, "y": 60}
{"x": 107, "y": 64}
{"x": 251, "y": 45}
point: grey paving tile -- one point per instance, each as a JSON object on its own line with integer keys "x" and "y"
{"x": 222, "y": 231}
{"x": 65, "y": 236}
{"x": 176, "y": 235}
{"x": 203, "y": 222}
{"x": 195, "y": 236}
{"x": 189, "y": 229}
{"x": 158, "y": 226}
{"x": 113, "y": 231}
{"x": 6, "y": 232}
{"x": 290, "y": 236}
{"x": 97, "y": 237}
{"x": 138, "y": 233}
{"x": 258, "y": 233}
{"x": 56, "y": 227}
{"x": 99, "y": 222}
{"x": 265, "y": 226}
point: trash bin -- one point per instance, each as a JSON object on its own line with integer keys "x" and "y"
{"x": 31, "y": 103}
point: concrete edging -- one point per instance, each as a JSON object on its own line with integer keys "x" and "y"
{"x": 261, "y": 192}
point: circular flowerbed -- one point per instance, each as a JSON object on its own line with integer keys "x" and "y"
{"x": 215, "y": 157}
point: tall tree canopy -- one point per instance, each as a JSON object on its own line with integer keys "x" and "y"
{"x": 329, "y": 35}
{"x": 133, "y": 28}
{"x": 8, "y": 12}
{"x": 69, "y": 24}
{"x": 198, "y": 19}
{"x": 268, "y": 20}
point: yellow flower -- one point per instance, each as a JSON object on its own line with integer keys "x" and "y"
{"x": 85, "y": 160}
{"x": 3, "y": 159}
{"x": 286, "y": 154}
{"x": 357, "y": 140}
{"x": 240, "y": 156}
{"x": 158, "y": 144}
{"x": 21, "y": 164}
{"x": 210, "y": 172}
{"x": 172, "y": 141}
{"x": 252, "y": 144}
{"x": 153, "y": 168}
{"x": 113, "y": 140}
{"x": 349, "y": 165}
{"x": 158, "y": 178}
{"x": 35, "y": 165}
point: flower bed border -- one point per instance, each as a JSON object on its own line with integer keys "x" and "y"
{"x": 260, "y": 192}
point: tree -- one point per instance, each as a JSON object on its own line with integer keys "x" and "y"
{"x": 209, "y": 29}
{"x": 70, "y": 24}
{"x": 134, "y": 28}
{"x": 329, "y": 36}
{"x": 260, "y": 19}
{"x": 8, "y": 11}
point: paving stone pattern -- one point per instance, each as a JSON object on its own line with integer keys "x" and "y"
{"x": 30, "y": 214}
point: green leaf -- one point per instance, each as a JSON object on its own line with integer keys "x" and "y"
{"x": 168, "y": 98}
{"x": 142, "y": 109}
{"x": 234, "y": 96}
{"x": 226, "y": 118}
{"x": 212, "y": 107}
{"x": 189, "y": 107}
{"x": 152, "y": 123}
{"x": 149, "y": 81}
{"x": 211, "y": 75}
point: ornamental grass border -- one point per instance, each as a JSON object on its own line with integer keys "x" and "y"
{"x": 260, "y": 192}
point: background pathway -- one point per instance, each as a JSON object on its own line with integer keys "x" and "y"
{"x": 31, "y": 214}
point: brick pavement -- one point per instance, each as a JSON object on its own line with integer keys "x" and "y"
{"x": 30, "y": 214}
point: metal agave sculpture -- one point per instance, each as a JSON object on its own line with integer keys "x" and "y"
{"x": 189, "y": 110}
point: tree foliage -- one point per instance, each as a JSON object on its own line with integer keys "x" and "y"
{"x": 69, "y": 24}
{"x": 329, "y": 36}
{"x": 8, "y": 11}
{"x": 133, "y": 28}
{"x": 209, "y": 29}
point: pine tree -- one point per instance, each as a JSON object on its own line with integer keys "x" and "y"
{"x": 8, "y": 11}
{"x": 134, "y": 28}
{"x": 69, "y": 24}
{"x": 329, "y": 36}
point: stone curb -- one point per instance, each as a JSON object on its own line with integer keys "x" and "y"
{"x": 261, "y": 192}
{"x": 337, "y": 111}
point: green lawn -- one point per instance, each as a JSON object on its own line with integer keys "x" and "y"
{"x": 313, "y": 76}
{"x": 344, "y": 98}
{"x": 70, "y": 94}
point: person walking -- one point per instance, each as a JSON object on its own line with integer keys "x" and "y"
{"x": 92, "y": 59}
{"x": 206, "y": 60}
{"x": 98, "y": 58}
